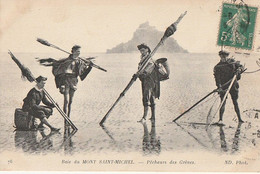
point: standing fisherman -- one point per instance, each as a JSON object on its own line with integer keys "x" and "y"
{"x": 150, "y": 79}
{"x": 66, "y": 72}
{"x": 146, "y": 56}
{"x": 224, "y": 71}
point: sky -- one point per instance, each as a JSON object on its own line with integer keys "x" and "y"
{"x": 101, "y": 25}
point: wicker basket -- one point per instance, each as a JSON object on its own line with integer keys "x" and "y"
{"x": 22, "y": 120}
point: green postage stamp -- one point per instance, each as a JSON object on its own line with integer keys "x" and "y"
{"x": 237, "y": 26}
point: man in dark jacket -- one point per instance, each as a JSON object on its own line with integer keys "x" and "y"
{"x": 33, "y": 100}
{"x": 66, "y": 72}
{"x": 224, "y": 71}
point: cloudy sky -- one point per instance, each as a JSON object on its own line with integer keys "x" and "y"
{"x": 100, "y": 25}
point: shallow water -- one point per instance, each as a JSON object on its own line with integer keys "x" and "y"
{"x": 191, "y": 79}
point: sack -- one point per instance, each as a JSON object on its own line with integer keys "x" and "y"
{"x": 163, "y": 69}
{"x": 22, "y": 120}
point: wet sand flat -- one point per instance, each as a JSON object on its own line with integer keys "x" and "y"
{"x": 191, "y": 78}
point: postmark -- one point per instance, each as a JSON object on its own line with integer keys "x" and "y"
{"x": 237, "y": 26}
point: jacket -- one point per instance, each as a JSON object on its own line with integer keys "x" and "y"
{"x": 225, "y": 71}
{"x": 33, "y": 99}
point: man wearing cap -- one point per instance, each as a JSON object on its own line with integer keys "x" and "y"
{"x": 224, "y": 71}
{"x": 150, "y": 82}
{"x": 32, "y": 103}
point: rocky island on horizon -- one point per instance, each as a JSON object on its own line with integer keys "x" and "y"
{"x": 151, "y": 36}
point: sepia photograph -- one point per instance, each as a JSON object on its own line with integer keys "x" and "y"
{"x": 130, "y": 86}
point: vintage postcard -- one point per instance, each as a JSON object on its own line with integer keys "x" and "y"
{"x": 130, "y": 86}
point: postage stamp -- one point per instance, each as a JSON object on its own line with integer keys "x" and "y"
{"x": 237, "y": 26}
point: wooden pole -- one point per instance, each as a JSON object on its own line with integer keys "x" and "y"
{"x": 169, "y": 31}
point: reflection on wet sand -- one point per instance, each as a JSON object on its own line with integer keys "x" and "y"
{"x": 108, "y": 133}
{"x": 28, "y": 141}
{"x": 235, "y": 145}
{"x": 151, "y": 143}
{"x": 190, "y": 134}
{"x": 236, "y": 139}
{"x": 223, "y": 143}
{"x": 67, "y": 141}
{"x": 37, "y": 142}
{"x": 222, "y": 136}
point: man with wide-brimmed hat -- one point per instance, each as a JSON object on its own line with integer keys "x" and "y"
{"x": 150, "y": 82}
{"x": 32, "y": 103}
{"x": 224, "y": 71}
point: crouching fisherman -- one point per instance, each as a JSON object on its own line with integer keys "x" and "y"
{"x": 33, "y": 107}
{"x": 150, "y": 78}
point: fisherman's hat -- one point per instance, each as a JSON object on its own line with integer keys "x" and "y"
{"x": 41, "y": 78}
{"x": 223, "y": 53}
{"x": 143, "y": 45}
